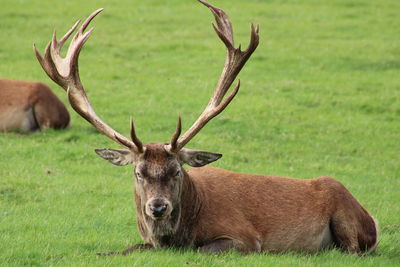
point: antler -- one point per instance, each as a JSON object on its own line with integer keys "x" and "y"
{"x": 65, "y": 72}
{"x": 235, "y": 60}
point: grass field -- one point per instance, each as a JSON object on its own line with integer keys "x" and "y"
{"x": 320, "y": 96}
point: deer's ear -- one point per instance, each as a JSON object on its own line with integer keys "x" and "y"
{"x": 119, "y": 157}
{"x": 197, "y": 158}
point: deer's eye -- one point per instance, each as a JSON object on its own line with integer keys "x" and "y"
{"x": 139, "y": 176}
{"x": 177, "y": 174}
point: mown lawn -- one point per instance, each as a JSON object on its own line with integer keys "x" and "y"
{"x": 320, "y": 96}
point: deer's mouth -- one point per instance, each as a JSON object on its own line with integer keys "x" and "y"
{"x": 159, "y": 218}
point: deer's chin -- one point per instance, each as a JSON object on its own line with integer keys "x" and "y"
{"x": 161, "y": 218}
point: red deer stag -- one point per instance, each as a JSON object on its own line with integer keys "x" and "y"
{"x": 209, "y": 208}
{"x": 30, "y": 106}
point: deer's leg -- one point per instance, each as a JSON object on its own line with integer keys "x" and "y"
{"x": 51, "y": 113}
{"x": 128, "y": 250}
{"x": 345, "y": 235}
{"x": 29, "y": 123}
{"x": 41, "y": 116}
{"x": 225, "y": 244}
{"x": 354, "y": 231}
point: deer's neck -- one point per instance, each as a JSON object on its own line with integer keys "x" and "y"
{"x": 179, "y": 229}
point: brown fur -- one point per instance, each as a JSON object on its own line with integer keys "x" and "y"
{"x": 217, "y": 210}
{"x": 280, "y": 214}
{"x": 30, "y": 106}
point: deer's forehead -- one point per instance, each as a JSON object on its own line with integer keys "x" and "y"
{"x": 156, "y": 154}
{"x": 156, "y": 161}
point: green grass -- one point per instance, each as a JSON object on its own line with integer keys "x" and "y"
{"x": 320, "y": 96}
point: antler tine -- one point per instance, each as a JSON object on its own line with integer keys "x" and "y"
{"x": 135, "y": 139}
{"x": 235, "y": 60}
{"x": 65, "y": 72}
{"x": 176, "y": 135}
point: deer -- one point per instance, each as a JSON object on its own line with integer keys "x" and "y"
{"x": 207, "y": 208}
{"x": 30, "y": 106}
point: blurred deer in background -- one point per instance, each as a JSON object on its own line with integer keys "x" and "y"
{"x": 208, "y": 208}
{"x": 30, "y": 106}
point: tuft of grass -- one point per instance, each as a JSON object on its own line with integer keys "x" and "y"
{"x": 320, "y": 96}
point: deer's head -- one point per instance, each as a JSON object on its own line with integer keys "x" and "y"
{"x": 158, "y": 174}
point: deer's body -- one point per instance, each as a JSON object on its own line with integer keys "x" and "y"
{"x": 30, "y": 106}
{"x": 260, "y": 213}
{"x": 280, "y": 214}
{"x": 209, "y": 208}
{"x": 264, "y": 212}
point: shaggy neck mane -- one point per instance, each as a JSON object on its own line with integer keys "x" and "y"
{"x": 178, "y": 229}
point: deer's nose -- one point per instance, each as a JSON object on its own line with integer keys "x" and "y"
{"x": 158, "y": 210}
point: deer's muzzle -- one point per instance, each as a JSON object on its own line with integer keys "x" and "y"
{"x": 158, "y": 208}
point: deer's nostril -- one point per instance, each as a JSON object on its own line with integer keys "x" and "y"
{"x": 158, "y": 210}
